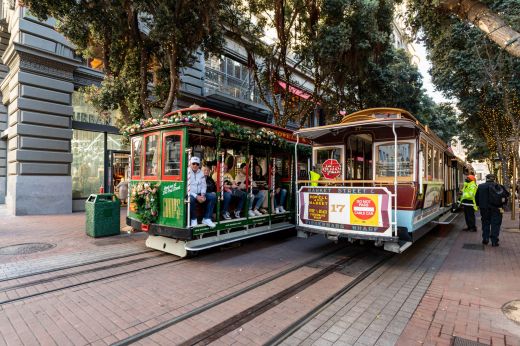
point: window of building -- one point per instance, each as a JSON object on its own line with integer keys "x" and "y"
{"x": 87, "y": 169}
{"x": 231, "y": 77}
{"x": 84, "y": 112}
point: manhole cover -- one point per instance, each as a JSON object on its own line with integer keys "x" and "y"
{"x": 473, "y": 246}
{"x": 25, "y": 249}
{"x": 512, "y": 310}
{"x": 458, "y": 341}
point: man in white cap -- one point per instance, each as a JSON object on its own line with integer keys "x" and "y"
{"x": 198, "y": 194}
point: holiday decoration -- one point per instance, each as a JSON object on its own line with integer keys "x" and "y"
{"x": 219, "y": 127}
{"x": 146, "y": 200}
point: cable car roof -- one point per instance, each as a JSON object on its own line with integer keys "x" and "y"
{"x": 316, "y": 132}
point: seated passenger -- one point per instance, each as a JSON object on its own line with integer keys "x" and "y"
{"x": 211, "y": 186}
{"x": 231, "y": 190}
{"x": 198, "y": 194}
{"x": 280, "y": 195}
{"x": 260, "y": 188}
{"x": 255, "y": 201}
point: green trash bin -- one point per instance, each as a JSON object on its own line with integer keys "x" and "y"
{"x": 103, "y": 215}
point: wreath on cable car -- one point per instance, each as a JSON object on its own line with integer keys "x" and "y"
{"x": 146, "y": 200}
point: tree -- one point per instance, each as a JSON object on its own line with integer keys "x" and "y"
{"x": 494, "y": 21}
{"x": 139, "y": 42}
{"x": 484, "y": 79}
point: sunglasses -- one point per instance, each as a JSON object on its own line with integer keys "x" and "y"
{"x": 195, "y": 163}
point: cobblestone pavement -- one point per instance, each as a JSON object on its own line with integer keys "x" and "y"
{"x": 105, "y": 311}
{"x": 467, "y": 295}
{"x": 376, "y": 311}
{"x": 428, "y": 294}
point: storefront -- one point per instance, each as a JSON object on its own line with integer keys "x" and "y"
{"x": 100, "y": 156}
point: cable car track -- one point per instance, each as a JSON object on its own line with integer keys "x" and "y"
{"x": 86, "y": 271}
{"x": 73, "y": 266}
{"x": 250, "y": 313}
{"x": 24, "y": 297}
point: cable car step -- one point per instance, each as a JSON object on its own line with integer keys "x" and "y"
{"x": 397, "y": 247}
{"x": 206, "y": 243}
{"x": 446, "y": 219}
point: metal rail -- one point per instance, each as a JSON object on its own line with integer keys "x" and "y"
{"x": 72, "y": 266}
{"x": 8, "y": 301}
{"x": 166, "y": 324}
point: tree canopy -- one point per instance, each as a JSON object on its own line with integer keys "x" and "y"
{"x": 139, "y": 42}
{"x": 481, "y": 76}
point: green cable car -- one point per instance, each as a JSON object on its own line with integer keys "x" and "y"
{"x": 249, "y": 173}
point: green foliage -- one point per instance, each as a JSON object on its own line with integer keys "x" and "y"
{"x": 139, "y": 42}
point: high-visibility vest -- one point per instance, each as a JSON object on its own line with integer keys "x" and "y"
{"x": 314, "y": 177}
{"x": 469, "y": 190}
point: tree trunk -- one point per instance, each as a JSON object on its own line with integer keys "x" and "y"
{"x": 487, "y": 21}
{"x": 174, "y": 81}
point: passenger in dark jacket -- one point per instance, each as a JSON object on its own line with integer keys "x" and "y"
{"x": 491, "y": 215}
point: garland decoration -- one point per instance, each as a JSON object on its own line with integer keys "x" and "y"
{"x": 146, "y": 200}
{"x": 219, "y": 127}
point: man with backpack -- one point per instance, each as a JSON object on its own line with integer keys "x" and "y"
{"x": 468, "y": 202}
{"x": 491, "y": 197}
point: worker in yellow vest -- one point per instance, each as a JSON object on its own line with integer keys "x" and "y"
{"x": 313, "y": 176}
{"x": 469, "y": 190}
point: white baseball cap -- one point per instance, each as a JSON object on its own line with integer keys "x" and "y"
{"x": 195, "y": 159}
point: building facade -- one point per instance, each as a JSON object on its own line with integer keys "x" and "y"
{"x": 55, "y": 149}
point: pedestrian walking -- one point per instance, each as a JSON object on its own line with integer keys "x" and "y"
{"x": 467, "y": 200}
{"x": 491, "y": 198}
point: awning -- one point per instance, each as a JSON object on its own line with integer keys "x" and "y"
{"x": 295, "y": 91}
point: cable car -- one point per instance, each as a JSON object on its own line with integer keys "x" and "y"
{"x": 380, "y": 176}
{"x": 249, "y": 162}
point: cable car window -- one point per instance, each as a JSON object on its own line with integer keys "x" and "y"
{"x": 151, "y": 155}
{"x": 332, "y": 157}
{"x": 136, "y": 156}
{"x": 429, "y": 162}
{"x": 423, "y": 149}
{"x": 435, "y": 163}
{"x": 385, "y": 160}
{"x": 172, "y": 157}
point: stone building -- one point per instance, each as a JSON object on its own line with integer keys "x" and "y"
{"x": 54, "y": 148}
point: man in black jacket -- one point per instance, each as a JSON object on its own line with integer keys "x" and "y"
{"x": 491, "y": 215}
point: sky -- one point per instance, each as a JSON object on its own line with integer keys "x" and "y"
{"x": 424, "y": 66}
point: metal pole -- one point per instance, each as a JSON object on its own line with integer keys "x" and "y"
{"x": 513, "y": 193}
{"x": 188, "y": 188}
{"x": 296, "y": 195}
{"x": 395, "y": 179}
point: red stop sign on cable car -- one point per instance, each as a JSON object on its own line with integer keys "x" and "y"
{"x": 363, "y": 208}
{"x": 331, "y": 168}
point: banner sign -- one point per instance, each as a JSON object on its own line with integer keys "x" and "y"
{"x": 364, "y": 209}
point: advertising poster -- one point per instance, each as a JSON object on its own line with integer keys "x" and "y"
{"x": 364, "y": 210}
{"x": 355, "y": 209}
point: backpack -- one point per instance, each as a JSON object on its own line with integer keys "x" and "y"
{"x": 498, "y": 195}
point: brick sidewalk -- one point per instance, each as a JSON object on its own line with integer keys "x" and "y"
{"x": 467, "y": 294}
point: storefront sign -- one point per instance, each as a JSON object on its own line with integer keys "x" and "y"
{"x": 331, "y": 169}
{"x": 355, "y": 209}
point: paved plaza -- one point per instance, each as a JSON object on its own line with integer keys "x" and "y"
{"x": 85, "y": 291}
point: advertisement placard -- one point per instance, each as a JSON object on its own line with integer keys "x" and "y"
{"x": 342, "y": 208}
